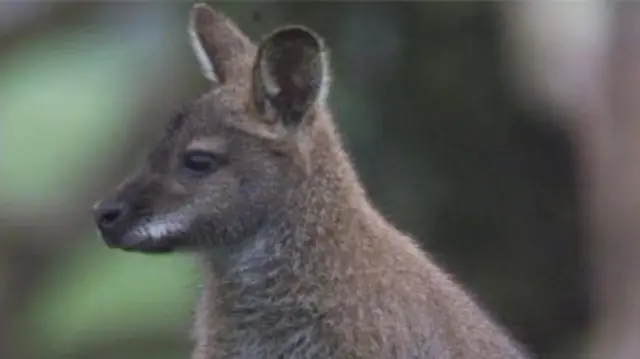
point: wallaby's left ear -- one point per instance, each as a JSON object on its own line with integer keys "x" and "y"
{"x": 290, "y": 74}
{"x": 220, "y": 46}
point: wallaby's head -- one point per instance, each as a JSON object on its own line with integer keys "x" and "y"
{"x": 229, "y": 157}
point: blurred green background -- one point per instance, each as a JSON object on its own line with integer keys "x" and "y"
{"x": 420, "y": 92}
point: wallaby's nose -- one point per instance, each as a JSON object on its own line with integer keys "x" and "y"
{"x": 107, "y": 213}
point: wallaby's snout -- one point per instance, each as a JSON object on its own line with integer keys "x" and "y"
{"x": 116, "y": 218}
{"x": 110, "y": 216}
{"x": 129, "y": 219}
{"x": 108, "y": 213}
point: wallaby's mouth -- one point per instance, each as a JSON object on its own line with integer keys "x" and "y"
{"x": 145, "y": 245}
{"x": 144, "y": 237}
{"x": 133, "y": 242}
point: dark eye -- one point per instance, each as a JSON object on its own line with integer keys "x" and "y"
{"x": 200, "y": 162}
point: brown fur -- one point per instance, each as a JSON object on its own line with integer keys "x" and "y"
{"x": 297, "y": 262}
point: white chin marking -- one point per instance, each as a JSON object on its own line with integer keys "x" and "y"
{"x": 162, "y": 226}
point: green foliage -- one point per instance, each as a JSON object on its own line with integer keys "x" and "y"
{"x": 55, "y": 102}
{"x": 129, "y": 295}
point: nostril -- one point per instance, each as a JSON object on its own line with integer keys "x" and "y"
{"x": 107, "y": 214}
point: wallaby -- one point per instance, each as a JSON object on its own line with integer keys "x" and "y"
{"x": 252, "y": 178}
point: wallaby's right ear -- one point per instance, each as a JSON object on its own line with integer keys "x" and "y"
{"x": 220, "y": 46}
{"x": 290, "y": 75}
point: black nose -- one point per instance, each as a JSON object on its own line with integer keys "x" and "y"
{"x": 107, "y": 213}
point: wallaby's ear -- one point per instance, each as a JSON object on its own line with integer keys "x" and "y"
{"x": 289, "y": 74}
{"x": 218, "y": 43}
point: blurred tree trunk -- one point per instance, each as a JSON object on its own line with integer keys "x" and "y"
{"x": 595, "y": 84}
{"x": 609, "y": 142}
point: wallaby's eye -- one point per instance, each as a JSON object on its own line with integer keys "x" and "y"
{"x": 201, "y": 162}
